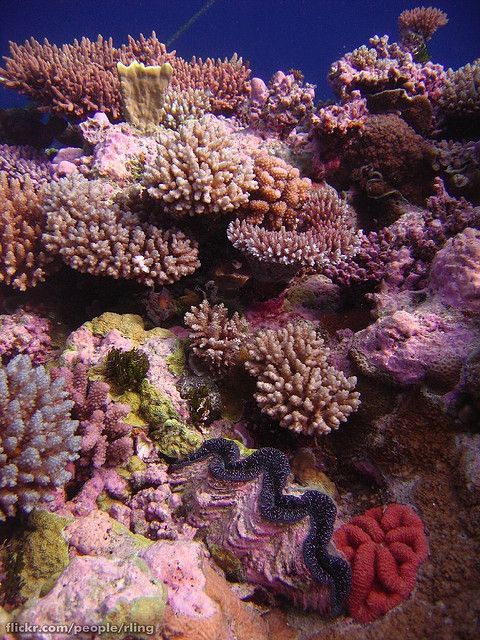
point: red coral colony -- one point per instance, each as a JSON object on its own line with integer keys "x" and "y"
{"x": 232, "y": 319}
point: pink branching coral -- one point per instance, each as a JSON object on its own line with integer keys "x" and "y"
{"x": 23, "y": 260}
{"x": 76, "y": 79}
{"x": 199, "y": 170}
{"x": 384, "y": 66}
{"x": 280, "y": 195}
{"x": 226, "y": 81}
{"x": 27, "y": 333}
{"x": 295, "y": 382}
{"x": 21, "y": 161}
{"x": 37, "y": 438}
{"x": 341, "y": 120}
{"x": 215, "y": 338}
{"x": 285, "y": 103}
{"x": 94, "y": 235}
{"x": 417, "y": 26}
{"x": 106, "y": 439}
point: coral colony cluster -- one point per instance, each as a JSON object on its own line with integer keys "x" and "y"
{"x": 240, "y": 345}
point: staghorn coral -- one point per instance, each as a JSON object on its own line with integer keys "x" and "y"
{"x": 21, "y": 161}
{"x": 225, "y": 81}
{"x": 280, "y": 194}
{"x": 37, "y": 438}
{"x": 76, "y": 79}
{"x": 385, "y": 547}
{"x": 94, "y": 235}
{"x": 180, "y": 105}
{"x": 248, "y": 521}
{"x": 106, "y": 439}
{"x": 296, "y": 385}
{"x": 460, "y": 96}
{"x": 23, "y": 332}
{"x": 417, "y": 26}
{"x": 23, "y": 261}
{"x": 199, "y": 170}
{"x": 215, "y": 338}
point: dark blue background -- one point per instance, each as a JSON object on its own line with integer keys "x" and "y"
{"x": 281, "y": 34}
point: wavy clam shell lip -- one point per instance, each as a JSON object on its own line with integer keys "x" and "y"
{"x": 278, "y": 507}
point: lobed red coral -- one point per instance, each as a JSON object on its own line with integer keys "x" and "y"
{"x": 385, "y": 546}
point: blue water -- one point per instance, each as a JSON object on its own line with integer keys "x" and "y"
{"x": 272, "y": 34}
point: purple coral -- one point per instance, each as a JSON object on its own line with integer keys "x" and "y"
{"x": 21, "y": 161}
{"x": 37, "y": 438}
{"x": 106, "y": 438}
{"x": 23, "y": 332}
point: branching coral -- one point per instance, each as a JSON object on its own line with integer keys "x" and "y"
{"x": 280, "y": 195}
{"x": 461, "y": 94}
{"x": 215, "y": 338}
{"x": 295, "y": 382}
{"x": 37, "y": 438}
{"x": 285, "y": 103}
{"x": 23, "y": 261}
{"x": 105, "y": 437}
{"x": 199, "y": 170}
{"x": 21, "y": 161}
{"x": 27, "y": 333}
{"x": 266, "y": 543}
{"x": 417, "y": 26}
{"x": 385, "y": 547}
{"x": 94, "y": 235}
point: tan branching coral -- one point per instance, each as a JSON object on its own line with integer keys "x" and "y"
{"x": 280, "y": 195}
{"x": 295, "y": 382}
{"x": 143, "y": 92}
{"x": 180, "y": 105}
{"x": 461, "y": 94}
{"x": 92, "y": 234}
{"x": 23, "y": 262}
{"x": 215, "y": 338}
{"x": 200, "y": 170}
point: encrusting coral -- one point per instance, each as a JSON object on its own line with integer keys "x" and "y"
{"x": 296, "y": 385}
{"x": 37, "y": 438}
{"x": 94, "y": 235}
{"x": 199, "y": 170}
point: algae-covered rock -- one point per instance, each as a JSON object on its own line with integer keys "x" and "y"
{"x": 38, "y": 555}
{"x": 172, "y": 436}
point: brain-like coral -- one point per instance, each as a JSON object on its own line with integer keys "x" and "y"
{"x": 93, "y": 235}
{"x": 23, "y": 260}
{"x": 215, "y": 338}
{"x": 385, "y": 547}
{"x": 280, "y": 195}
{"x": 296, "y": 385}
{"x": 199, "y": 170}
{"x": 37, "y": 438}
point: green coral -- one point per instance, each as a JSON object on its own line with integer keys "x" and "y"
{"x": 172, "y": 436}
{"x": 38, "y": 555}
{"x": 126, "y": 369}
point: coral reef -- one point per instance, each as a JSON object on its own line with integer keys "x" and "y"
{"x": 215, "y": 508}
{"x": 295, "y": 383}
{"x": 385, "y": 547}
{"x": 37, "y": 437}
{"x": 22, "y": 332}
